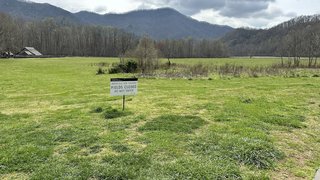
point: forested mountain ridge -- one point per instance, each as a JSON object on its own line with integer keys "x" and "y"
{"x": 300, "y": 31}
{"x": 165, "y": 23}
{"x": 35, "y": 11}
{"x": 90, "y": 35}
{"x": 162, "y": 23}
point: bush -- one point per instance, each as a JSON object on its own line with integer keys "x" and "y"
{"x": 127, "y": 67}
{"x": 115, "y": 69}
{"x": 131, "y": 66}
{"x": 100, "y": 71}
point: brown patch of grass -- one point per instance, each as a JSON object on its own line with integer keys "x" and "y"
{"x": 11, "y": 176}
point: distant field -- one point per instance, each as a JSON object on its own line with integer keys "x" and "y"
{"x": 222, "y": 61}
{"x": 58, "y": 121}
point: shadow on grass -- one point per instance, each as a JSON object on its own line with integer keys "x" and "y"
{"x": 174, "y": 123}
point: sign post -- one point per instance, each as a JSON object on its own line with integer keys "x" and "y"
{"x": 123, "y": 102}
{"x": 123, "y": 87}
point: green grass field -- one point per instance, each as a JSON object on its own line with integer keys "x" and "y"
{"x": 58, "y": 121}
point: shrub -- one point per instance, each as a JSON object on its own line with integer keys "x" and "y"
{"x": 131, "y": 66}
{"x": 127, "y": 67}
{"x": 199, "y": 70}
{"x": 119, "y": 148}
{"x": 100, "y": 71}
{"x": 115, "y": 69}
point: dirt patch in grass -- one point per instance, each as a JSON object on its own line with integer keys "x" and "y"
{"x": 174, "y": 123}
{"x": 11, "y": 176}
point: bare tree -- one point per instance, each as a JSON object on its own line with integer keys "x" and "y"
{"x": 125, "y": 43}
{"x": 146, "y": 55}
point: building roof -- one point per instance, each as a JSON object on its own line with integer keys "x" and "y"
{"x": 33, "y": 51}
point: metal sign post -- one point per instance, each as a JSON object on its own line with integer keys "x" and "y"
{"x": 123, "y": 87}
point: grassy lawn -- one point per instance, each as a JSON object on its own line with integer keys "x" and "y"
{"x": 57, "y": 120}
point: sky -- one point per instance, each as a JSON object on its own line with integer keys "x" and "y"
{"x": 235, "y": 13}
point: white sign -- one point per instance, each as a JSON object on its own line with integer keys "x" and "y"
{"x": 123, "y": 86}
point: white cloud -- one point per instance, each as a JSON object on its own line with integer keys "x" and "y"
{"x": 109, "y": 6}
{"x": 214, "y": 17}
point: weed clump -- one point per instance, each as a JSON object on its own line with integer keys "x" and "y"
{"x": 251, "y": 151}
{"x": 95, "y": 149}
{"x": 252, "y": 148}
{"x": 100, "y": 71}
{"x": 247, "y": 100}
{"x": 114, "y": 113}
{"x": 97, "y": 110}
{"x": 120, "y": 148}
{"x": 293, "y": 121}
{"x": 174, "y": 123}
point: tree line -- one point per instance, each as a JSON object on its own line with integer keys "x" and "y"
{"x": 59, "y": 39}
{"x": 299, "y": 37}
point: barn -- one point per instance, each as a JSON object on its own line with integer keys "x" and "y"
{"x": 29, "y": 51}
{"x": 6, "y": 55}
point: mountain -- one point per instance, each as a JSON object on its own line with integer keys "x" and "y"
{"x": 35, "y": 11}
{"x": 159, "y": 24}
{"x": 162, "y": 23}
{"x": 266, "y": 42}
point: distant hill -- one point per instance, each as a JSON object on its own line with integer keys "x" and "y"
{"x": 35, "y": 11}
{"x": 243, "y": 42}
{"x": 163, "y": 23}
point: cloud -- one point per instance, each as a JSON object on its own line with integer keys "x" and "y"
{"x": 260, "y": 19}
{"x": 101, "y": 9}
{"x": 229, "y": 8}
{"x": 244, "y": 8}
